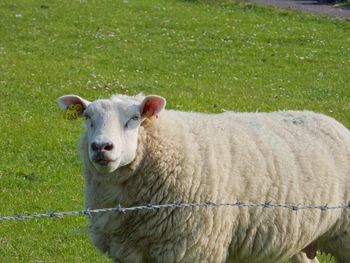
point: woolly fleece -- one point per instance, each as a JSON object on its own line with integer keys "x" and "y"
{"x": 285, "y": 157}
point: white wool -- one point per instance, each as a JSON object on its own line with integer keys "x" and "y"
{"x": 285, "y": 157}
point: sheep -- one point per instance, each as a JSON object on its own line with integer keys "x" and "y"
{"x": 136, "y": 152}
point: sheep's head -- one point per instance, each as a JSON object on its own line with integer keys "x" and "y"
{"x": 112, "y": 126}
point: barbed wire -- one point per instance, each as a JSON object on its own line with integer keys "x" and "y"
{"x": 176, "y": 205}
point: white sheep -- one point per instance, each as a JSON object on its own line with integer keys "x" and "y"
{"x": 135, "y": 152}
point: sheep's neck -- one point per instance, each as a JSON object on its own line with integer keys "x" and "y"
{"x": 149, "y": 182}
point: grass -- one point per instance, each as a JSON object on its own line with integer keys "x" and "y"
{"x": 201, "y": 55}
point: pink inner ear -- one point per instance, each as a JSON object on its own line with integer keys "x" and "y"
{"x": 67, "y": 101}
{"x": 70, "y": 101}
{"x": 152, "y": 107}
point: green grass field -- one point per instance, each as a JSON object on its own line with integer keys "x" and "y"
{"x": 205, "y": 56}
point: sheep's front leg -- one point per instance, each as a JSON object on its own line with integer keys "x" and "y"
{"x": 302, "y": 258}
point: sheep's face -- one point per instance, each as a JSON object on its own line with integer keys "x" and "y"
{"x": 112, "y": 126}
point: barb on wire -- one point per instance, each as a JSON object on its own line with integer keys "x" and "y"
{"x": 207, "y": 204}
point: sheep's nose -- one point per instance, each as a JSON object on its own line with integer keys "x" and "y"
{"x": 103, "y": 147}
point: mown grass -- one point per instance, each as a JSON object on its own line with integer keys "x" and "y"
{"x": 201, "y": 55}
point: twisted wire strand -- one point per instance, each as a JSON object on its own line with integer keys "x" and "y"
{"x": 176, "y": 205}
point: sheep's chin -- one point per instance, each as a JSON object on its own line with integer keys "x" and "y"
{"x": 108, "y": 168}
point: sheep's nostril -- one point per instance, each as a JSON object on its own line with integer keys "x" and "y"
{"x": 105, "y": 147}
{"x": 108, "y": 147}
{"x": 95, "y": 147}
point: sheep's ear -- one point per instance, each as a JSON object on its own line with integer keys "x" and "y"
{"x": 65, "y": 101}
{"x": 151, "y": 106}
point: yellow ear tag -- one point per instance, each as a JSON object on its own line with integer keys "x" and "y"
{"x": 73, "y": 112}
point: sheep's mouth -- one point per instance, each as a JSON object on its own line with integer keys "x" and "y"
{"x": 102, "y": 160}
{"x": 104, "y": 163}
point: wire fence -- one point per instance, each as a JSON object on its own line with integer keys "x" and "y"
{"x": 176, "y": 205}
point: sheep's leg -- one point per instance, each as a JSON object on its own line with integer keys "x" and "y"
{"x": 341, "y": 250}
{"x": 302, "y": 258}
{"x": 307, "y": 255}
{"x": 338, "y": 246}
{"x": 342, "y": 256}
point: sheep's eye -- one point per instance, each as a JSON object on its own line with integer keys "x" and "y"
{"x": 135, "y": 118}
{"x": 87, "y": 117}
